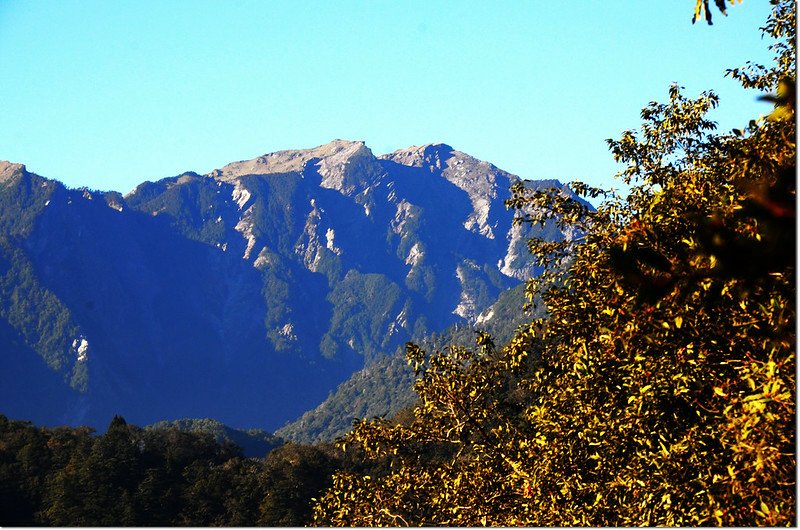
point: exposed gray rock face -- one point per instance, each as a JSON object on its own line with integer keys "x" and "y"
{"x": 249, "y": 293}
{"x": 480, "y": 180}
{"x": 487, "y": 188}
{"x": 344, "y": 166}
{"x": 9, "y": 170}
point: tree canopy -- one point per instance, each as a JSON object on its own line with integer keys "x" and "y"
{"x": 659, "y": 388}
{"x": 154, "y": 477}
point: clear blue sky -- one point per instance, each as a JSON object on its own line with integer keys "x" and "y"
{"x": 107, "y": 94}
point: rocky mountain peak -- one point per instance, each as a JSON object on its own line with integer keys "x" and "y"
{"x": 348, "y": 167}
{"x": 9, "y": 170}
{"x": 293, "y": 160}
{"x": 429, "y": 155}
{"x": 485, "y": 184}
{"x": 186, "y": 178}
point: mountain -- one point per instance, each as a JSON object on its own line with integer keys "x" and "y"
{"x": 247, "y": 294}
{"x": 386, "y": 386}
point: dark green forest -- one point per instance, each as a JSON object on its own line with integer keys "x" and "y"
{"x": 165, "y": 476}
{"x": 650, "y": 381}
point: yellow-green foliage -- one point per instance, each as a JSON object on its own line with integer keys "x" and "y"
{"x": 660, "y": 390}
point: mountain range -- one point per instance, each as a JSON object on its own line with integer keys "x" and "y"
{"x": 248, "y": 294}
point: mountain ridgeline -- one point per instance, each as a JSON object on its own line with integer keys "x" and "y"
{"x": 250, "y": 293}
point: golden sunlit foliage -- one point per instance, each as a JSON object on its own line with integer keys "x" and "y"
{"x": 701, "y": 8}
{"x": 660, "y": 388}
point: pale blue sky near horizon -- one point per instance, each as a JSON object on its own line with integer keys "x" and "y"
{"x": 109, "y": 94}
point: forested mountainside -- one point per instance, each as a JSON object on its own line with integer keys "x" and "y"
{"x": 247, "y": 294}
{"x": 386, "y": 387}
{"x": 254, "y": 443}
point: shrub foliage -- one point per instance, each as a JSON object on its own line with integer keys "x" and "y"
{"x": 660, "y": 387}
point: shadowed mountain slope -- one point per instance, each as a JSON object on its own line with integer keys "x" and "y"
{"x": 247, "y": 294}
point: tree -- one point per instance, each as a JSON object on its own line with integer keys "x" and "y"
{"x": 660, "y": 388}
{"x": 293, "y": 474}
{"x": 701, "y": 8}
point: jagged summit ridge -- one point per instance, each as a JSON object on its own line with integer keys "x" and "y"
{"x": 485, "y": 184}
{"x": 291, "y": 160}
{"x": 9, "y": 170}
{"x": 343, "y": 165}
{"x": 428, "y": 155}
